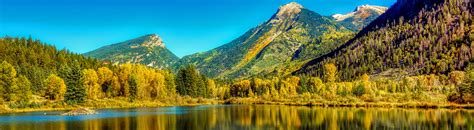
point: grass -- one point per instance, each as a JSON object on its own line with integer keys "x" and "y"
{"x": 113, "y": 103}
{"x": 299, "y": 100}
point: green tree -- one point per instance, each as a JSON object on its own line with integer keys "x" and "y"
{"x": 316, "y": 84}
{"x": 133, "y": 88}
{"x": 190, "y": 82}
{"x": 359, "y": 90}
{"x": 13, "y": 87}
{"x": 24, "y": 89}
{"x": 170, "y": 83}
{"x": 75, "y": 93}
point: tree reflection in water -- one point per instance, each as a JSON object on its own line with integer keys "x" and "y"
{"x": 259, "y": 117}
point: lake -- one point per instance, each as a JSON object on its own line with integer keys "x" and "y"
{"x": 245, "y": 117}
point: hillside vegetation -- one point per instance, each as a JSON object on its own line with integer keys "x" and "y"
{"x": 431, "y": 37}
{"x": 419, "y": 58}
{"x": 281, "y": 45}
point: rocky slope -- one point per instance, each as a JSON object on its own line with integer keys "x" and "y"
{"x": 148, "y": 50}
{"x": 360, "y": 17}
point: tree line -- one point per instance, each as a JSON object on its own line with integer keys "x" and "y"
{"x": 30, "y": 70}
{"x": 74, "y": 82}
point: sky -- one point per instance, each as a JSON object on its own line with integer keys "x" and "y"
{"x": 186, "y": 26}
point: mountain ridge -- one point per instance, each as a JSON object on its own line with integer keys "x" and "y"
{"x": 360, "y": 17}
{"x": 149, "y": 50}
{"x": 287, "y": 36}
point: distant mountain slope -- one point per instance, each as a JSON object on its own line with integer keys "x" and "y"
{"x": 360, "y": 17}
{"x": 418, "y": 36}
{"x": 282, "y": 44}
{"x": 148, "y": 50}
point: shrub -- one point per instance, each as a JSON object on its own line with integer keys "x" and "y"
{"x": 359, "y": 90}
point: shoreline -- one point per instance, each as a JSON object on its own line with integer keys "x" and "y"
{"x": 248, "y": 101}
{"x": 408, "y": 105}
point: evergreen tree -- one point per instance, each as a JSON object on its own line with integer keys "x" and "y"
{"x": 75, "y": 93}
{"x": 190, "y": 82}
{"x": 133, "y": 86}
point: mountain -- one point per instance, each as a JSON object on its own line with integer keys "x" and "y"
{"x": 416, "y": 36}
{"x": 291, "y": 37}
{"x": 148, "y": 50}
{"x": 360, "y": 17}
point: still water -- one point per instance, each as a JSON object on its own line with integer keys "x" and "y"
{"x": 245, "y": 117}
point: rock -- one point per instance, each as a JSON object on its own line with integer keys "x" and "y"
{"x": 80, "y": 111}
{"x": 289, "y": 10}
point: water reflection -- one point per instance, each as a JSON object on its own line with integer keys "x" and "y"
{"x": 246, "y": 117}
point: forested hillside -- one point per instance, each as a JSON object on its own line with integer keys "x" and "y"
{"x": 417, "y": 36}
{"x": 36, "y": 60}
{"x": 281, "y": 45}
{"x": 33, "y": 74}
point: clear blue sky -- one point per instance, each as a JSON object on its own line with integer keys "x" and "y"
{"x": 187, "y": 26}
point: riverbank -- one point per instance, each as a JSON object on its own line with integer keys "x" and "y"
{"x": 114, "y": 104}
{"x": 187, "y": 101}
{"x": 425, "y": 105}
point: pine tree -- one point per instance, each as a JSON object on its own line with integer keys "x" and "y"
{"x": 133, "y": 86}
{"x": 190, "y": 82}
{"x": 75, "y": 93}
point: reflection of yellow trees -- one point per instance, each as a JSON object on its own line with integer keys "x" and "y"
{"x": 244, "y": 115}
{"x": 333, "y": 121}
{"x": 459, "y": 120}
{"x": 276, "y": 117}
{"x": 93, "y": 125}
{"x": 367, "y": 120}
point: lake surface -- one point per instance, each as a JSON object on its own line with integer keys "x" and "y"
{"x": 245, "y": 117}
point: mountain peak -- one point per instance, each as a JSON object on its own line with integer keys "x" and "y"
{"x": 147, "y": 50}
{"x": 288, "y": 10}
{"x": 361, "y": 11}
{"x": 378, "y": 9}
{"x": 153, "y": 40}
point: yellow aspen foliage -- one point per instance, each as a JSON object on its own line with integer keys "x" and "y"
{"x": 54, "y": 88}
{"x": 330, "y": 72}
{"x": 90, "y": 79}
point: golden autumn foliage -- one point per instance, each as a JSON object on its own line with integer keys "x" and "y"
{"x": 54, "y": 88}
